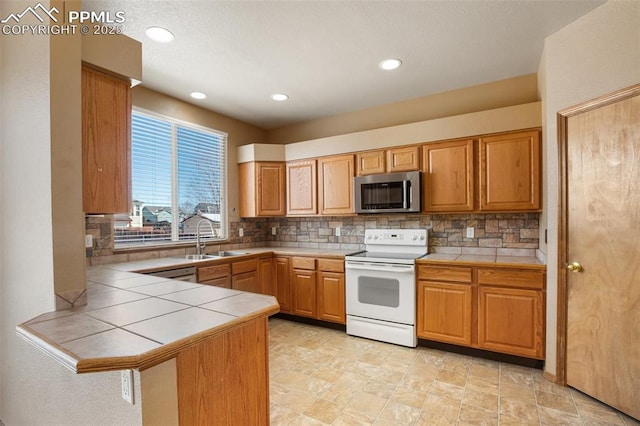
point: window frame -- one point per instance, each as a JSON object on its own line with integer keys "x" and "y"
{"x": 175, "y": 225}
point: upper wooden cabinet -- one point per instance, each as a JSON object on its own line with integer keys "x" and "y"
{"x": 402, "y": 159}
{"x": 370, "y": 163}
{"x": 262, "y": 189}
{"x": 510, "y": 172}
{"x": 302, "y": 183}
{"x": 335, "y": 181}
{"x": 106, "y": 143}
{"x": 448, "y": 176}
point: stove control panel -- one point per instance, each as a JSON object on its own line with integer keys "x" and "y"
{"x": 401, "y": 237}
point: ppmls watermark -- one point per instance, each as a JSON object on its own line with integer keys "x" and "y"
{"x": 40, "y": 20}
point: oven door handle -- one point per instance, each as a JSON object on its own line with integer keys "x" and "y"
{"x": 402, "y": 269}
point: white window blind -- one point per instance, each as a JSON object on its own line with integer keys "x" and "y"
{"x": 178, "y": 180}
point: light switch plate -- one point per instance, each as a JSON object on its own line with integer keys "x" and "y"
{"x": 241, "y": 232}
{"x": 127, "y": 385}
{"x": 88, "y": 241}
{"x": 470, "y": 232}
{"x": 273, "y": 230}
{"x": 337, "y": 231}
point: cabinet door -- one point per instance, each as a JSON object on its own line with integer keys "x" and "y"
{"x": 270, "y": 189}
{"x": 106, "y": 143}
{"x": 262, "y": 189}
{"x": 218, "y": 282}
{"x": 246, "y": 282}
{"x": 444, "y": 312}
{"x": 331, "y": 297}
{"x": 510, "y": 172}
{"x": 335, "y": 177}
{"x": 448, "y": 177}
{"x": 369, "y": 163}
{"x": 265, "y": 274}
{"x": 303, "y": 292}
{"x": 405, "y": 159}
{"x": 302, "y": 182}
{"x": 281, "y": 287}
{"x": 511, "y": 321}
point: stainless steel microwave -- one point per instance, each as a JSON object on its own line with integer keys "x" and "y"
{"x": 387, "y": 193}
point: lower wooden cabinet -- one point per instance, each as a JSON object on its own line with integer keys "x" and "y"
{"x": 444, "y": 312}
{"x": 317, "y": 289}
{"x": 280, "y": 284}
{"x": 497, "y": 308}
{"x": 303, "y": 292}
{"x": 511, "y": 320}
{"x": 247, "y": 281}
{"x": 331, "y": 297}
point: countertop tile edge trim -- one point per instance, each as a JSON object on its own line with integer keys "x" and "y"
{"x": 139, "y": 362}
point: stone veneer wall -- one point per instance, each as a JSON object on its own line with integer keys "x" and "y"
{"x": 503, "y": 234}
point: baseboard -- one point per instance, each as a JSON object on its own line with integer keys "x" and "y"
{"x": 550, "y": 377}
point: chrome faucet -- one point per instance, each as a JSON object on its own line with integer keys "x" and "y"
{"x": 201, "y": 246}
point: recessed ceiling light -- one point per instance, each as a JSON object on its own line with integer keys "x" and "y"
{"x": 390, "y": 64}
{"x": 198, "y": 95}
{"x": 159, "y": 34}
{"x": 279, "y": 97}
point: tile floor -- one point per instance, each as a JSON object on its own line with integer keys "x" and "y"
{"x": 321, "y": 376}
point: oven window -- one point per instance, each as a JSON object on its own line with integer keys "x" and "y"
{"x": 379, "y": 291}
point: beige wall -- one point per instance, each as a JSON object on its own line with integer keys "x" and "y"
{"x": 513, "y": 91}
{"x": 239, "y": 133}
{"x": 40, "y": 182}
{"x": 595, "y": 55}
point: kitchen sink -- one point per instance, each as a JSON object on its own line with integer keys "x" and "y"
{"x": 198, "y": 256}
{"x": 231, "y": 253}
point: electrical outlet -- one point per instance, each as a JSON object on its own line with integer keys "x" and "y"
{"x": 241, "y": 232}
{"x": 273, "y": 230}
{"x": 88, "y": 241}
{"x": 127, "y": 385}
{"x": 470, "y": 232}
{"x": 337, "y": 232}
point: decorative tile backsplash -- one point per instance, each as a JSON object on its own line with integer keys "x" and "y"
{"x": 504, "y": 233}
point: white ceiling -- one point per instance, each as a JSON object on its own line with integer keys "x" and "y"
{"x": 325, "y": 54}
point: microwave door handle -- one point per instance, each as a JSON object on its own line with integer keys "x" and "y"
{"x": 404, "y": 190}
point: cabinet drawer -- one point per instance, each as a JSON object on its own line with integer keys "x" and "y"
{"x": 219, "y": 282}
{"x": 444, "y": 273}
{"x": 303, "y": 263}
{"x": 533, "y": 279}
{"x": 244, "y": 266}
{"x": 331, "y": 265}
{"x": 207, "y": 273}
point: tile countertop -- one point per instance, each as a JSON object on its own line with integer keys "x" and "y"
{"x": 133, "y": 320}
{"x": 137, "y": 321}
{"x": 475, "y": 259}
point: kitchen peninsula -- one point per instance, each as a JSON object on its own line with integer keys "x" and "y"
{"x": 198, "y": 352}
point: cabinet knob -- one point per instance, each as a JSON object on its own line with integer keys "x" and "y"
{"x": 574, "y": 267}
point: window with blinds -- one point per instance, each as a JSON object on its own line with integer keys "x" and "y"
{"x": 178, "y": 181}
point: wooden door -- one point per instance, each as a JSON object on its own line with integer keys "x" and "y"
{"x": 302, "y": 182}
{"x": 510, "y": 172}
{"x": 448, "y": 176}
{"x": 335, "y": 177}
{"x": 106, "y": 143}
{"x": 601, "y": 210}
{"x": 331, "y": 297}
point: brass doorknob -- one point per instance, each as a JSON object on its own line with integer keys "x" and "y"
{"x": 574, "y": 267}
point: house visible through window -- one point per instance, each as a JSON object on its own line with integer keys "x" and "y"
{"x": 178, "y": 180}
